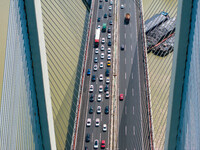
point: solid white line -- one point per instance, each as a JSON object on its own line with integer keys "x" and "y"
{"x": 133, "y": 130}
{"x": 125, "y": 130}
{"x": 125, "y": 109}
{"x": 132, "y": 92}
{"x": 131, "y": 60}
{"x": 125, "y": 61}
{"x": 132, "y": 75}
{"x": 125, "y": 75}
{"x": 133, "y": 110}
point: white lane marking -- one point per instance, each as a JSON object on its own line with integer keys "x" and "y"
{"x": 131, "y": 60}
{"x": 100, "y": 136}
{"x": 125, "y": 61}
{"x": 131, "y": 35}
{"x": 125, "y": 109}
{"x": 131, "y": 47}
{"x": 126, "y": 149}
{"x": 125, "y": 35}
{"x": 125, "y": 75}
{"x": 133, "y": 130}
{"x": 125, "y": 130}
{"x": 94, "y": 115}
{"x": 130, "y": 24}
{"x": 132, "y": 75}
{"x": 125, "y": 91}
{"x": 132, "y": 92}
{"x": 92, "y": 137}
{"x": 133, "y": 110}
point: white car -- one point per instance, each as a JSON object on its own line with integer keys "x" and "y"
{"x": 101, "y": 65}
{"x": 88, "y": 124}
{"x": 104, "y": 127}
{"x": 109, "y": 57}
{"x": 91, "y": 88}
{"x": 122, "y": 6}
{"x": 102, "y": 55}
{"x": 96, "y": 144}
{"x": 109, "y": 35}
{"x": 103, "y": 40}
{"x": 98, "y": 110}
{"x": 99, "y": 98}
{"x": 97, "y": 122}
{"x": 101, "y": 77}
{"x": 109, "y": 51}
{"x": 110, "y": 8}
{"x": 107, "y": 80}
{"x": 102, "y": 47}
{"x": 100, "y": 88}
{"x": 96, "y": 51}
{"x": 98, "y": 26}
{"x": 107, "y": 94}
{"x": 95, "y": 67}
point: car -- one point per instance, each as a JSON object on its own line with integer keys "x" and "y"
{"x": 99, "y": 19}
{"x": 100, "y": 0}
{"x": 106, "y": 88}
{"x": 93, "y": 78}
{"x": 95, "y": 68}
{"x": 102, "y": 47}
{"x": 96, "y": 51}
{"x": 109, "y": 35}
{"x": 122, "y": 47}
{"x": 96, "y": 144}
{"x": 101, "y": 77}
{"x": 97, "y": 122}
{"x": 87, "y": 138}
{"x": 98, "y": 27}
{"x": 107, "y": 94}
{"x": 91, "y": 88}
{"x": 106, "y": 0}
{"x": 122, "y": 6}
{"x": 104, "y": 127}
{"x": 100, "y": 7}
{"x": 103, "y": 144}
{"x": 98, "y": 109}
{"x": 107, "y": 110}
{"x": 100, "y": 88}
{"x": 109, "y": 43}
{"x": 105, "y": 15}
{"x": 91, "y": 110}
{"x": 111, "y": 22}
{"x": 101, "y": 65}
{"x": 107, "y": 80}
{"x": 95, "y": 59}
{"x": 88, "y": 72}
{"x": 91, "y": 98}
{"x": 108, "y": 63}
{"x": 103, "y": 40}
{"x": 109, "y": 57}
{"x": 109, "y": 30}
{"x": 110, "y": 8}
{"x": 109, "y": 50}
{"x": 110, "y": 14}
{"x": 88, "y": 124}
{"x": 107, "y": 72}
{"x": 99, "y": 98}
{"x": 111, "y": 2}
{"x": 102, "y": 55}
{"x": 121, "y": 97}
{"x": 86, "y": 148}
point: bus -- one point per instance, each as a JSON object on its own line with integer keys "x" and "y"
{"x": 97, "y": 37}
{"x": 104, "y": 27}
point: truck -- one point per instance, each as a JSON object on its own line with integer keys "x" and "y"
{"x": 97, "y": 37}
{"x": 127, "y": 18}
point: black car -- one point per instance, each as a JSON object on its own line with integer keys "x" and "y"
{"x": 107, "y": 110}
{"x": 86, "y": 148}
{"x": 91, "y": 98}
{"x": 95, "y": 59}
{"x": 93, "y": 78}
{"x": 109, "y": 30}
{"x": 106, "y": 88}
{"x": 106, "y": 0}
{"x": 91, "y": 110}
{"x": 105, "y": 15}
{"x": 122, "y": 47}
{"x": 100, "y": 6}
{"x": 110, "y": 22}
{"x": 87, "y": 138}
{"x": 107, "y": 73}
{"x": 110, "y": 14}
{"x": 99, "y": 19}
{"x": 109, "y": 43}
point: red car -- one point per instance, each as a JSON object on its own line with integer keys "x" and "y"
{"x": 103, "y": 144}
{"x": 121, "y": 97}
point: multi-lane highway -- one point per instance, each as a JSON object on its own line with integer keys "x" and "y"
{"x": 96, "y": 133}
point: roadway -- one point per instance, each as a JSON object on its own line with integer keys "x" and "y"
{"x": 96, "y": 132}
{"x": 131, "y": 83}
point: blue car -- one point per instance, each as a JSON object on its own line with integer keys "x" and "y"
{"x": 88, "y": 72}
